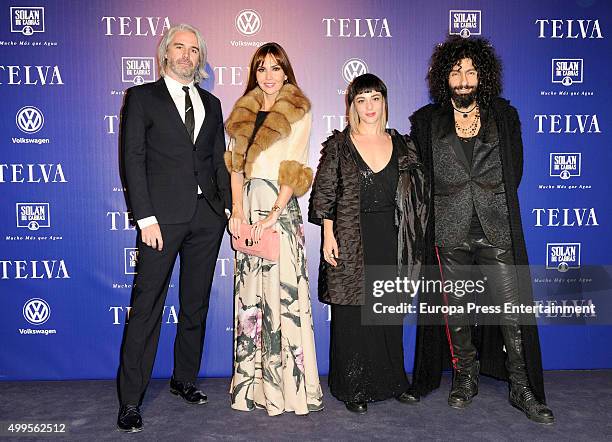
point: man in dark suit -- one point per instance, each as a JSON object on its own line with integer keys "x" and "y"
{"x": 178, "y": 189}
{"x": 470, "y": 141}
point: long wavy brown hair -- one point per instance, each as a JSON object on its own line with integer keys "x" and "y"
{"x": 279, "y": 54}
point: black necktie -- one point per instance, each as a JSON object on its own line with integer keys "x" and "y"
{"x": 189, "y": 118}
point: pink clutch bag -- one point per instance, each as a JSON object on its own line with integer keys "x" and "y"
{"x": 267, "y": 248}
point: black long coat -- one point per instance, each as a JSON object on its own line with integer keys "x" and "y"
{"x": 335, "y": 195}
{"x": 432, "y": 351}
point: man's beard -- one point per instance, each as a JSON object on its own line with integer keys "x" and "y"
{"x": 183, "y": 71}
{"x": 464, "y": 100}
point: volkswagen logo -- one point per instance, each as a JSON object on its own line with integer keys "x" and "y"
{"x": 352, "y": 68}
{"x": 248, "y": 22}
{"x": 36, "y": 311}
{"x": 29, "y": 119}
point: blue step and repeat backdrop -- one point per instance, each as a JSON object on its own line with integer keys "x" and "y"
{"x": 67, "y": 247}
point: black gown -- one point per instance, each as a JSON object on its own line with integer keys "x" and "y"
{"x": 367, "y": 361}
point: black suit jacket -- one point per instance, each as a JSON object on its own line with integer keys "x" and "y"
{"x": 461, "y": 185}
{"x": 163, "y": 167}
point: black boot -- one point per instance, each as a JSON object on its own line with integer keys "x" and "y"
{"x": 520, "y": 395}
{"x": 466, "y": 367}
{"x": 465, "y": 386}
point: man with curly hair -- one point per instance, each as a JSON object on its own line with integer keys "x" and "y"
{"x": 470, "y": 140}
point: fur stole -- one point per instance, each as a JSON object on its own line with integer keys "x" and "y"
{"x": 290, "y": 106}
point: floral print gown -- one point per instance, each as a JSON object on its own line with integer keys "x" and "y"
{"x": 275, "y": 364}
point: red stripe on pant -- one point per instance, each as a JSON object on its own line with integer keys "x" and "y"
{"x": 454, "y": 359}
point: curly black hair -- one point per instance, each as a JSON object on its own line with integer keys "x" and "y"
{"x": 450, "y": 53}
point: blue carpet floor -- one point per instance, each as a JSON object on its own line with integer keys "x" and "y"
{"x": 581, "y": 401}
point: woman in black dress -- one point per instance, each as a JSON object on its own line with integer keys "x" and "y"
{"x": 370, "y": 196}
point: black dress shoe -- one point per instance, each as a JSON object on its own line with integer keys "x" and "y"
{"x": 129, "y": 419}
{"x": 357, "y": 407}
{"x": 465, "y": 386}
{"x": 522, "y": 397}
{"x": 408, "y": 397}
{"x": 188, "y": 391}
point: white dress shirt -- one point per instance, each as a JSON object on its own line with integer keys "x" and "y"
{"x": 178, "y": 96}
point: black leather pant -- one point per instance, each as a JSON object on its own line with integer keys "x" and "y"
{"x": 497, "y": 265}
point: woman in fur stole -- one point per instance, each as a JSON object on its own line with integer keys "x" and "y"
{"x": 275, "y": 364}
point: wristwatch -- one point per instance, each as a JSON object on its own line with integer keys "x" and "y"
{"x": 276, "y": 208}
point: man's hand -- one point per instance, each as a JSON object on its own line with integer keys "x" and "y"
{"x": 151, "y": 236}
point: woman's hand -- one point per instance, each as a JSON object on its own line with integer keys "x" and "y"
{"x": 259, "y": 227}
{"x": 330, "y": 248}
{"x": 236, "y": 219}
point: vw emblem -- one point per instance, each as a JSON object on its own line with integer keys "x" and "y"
{"x": 352, "y": 68}
{"x": 29, "y": 119}
{"x": 248, "y": 22}
{"x": 36, "y": 311}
